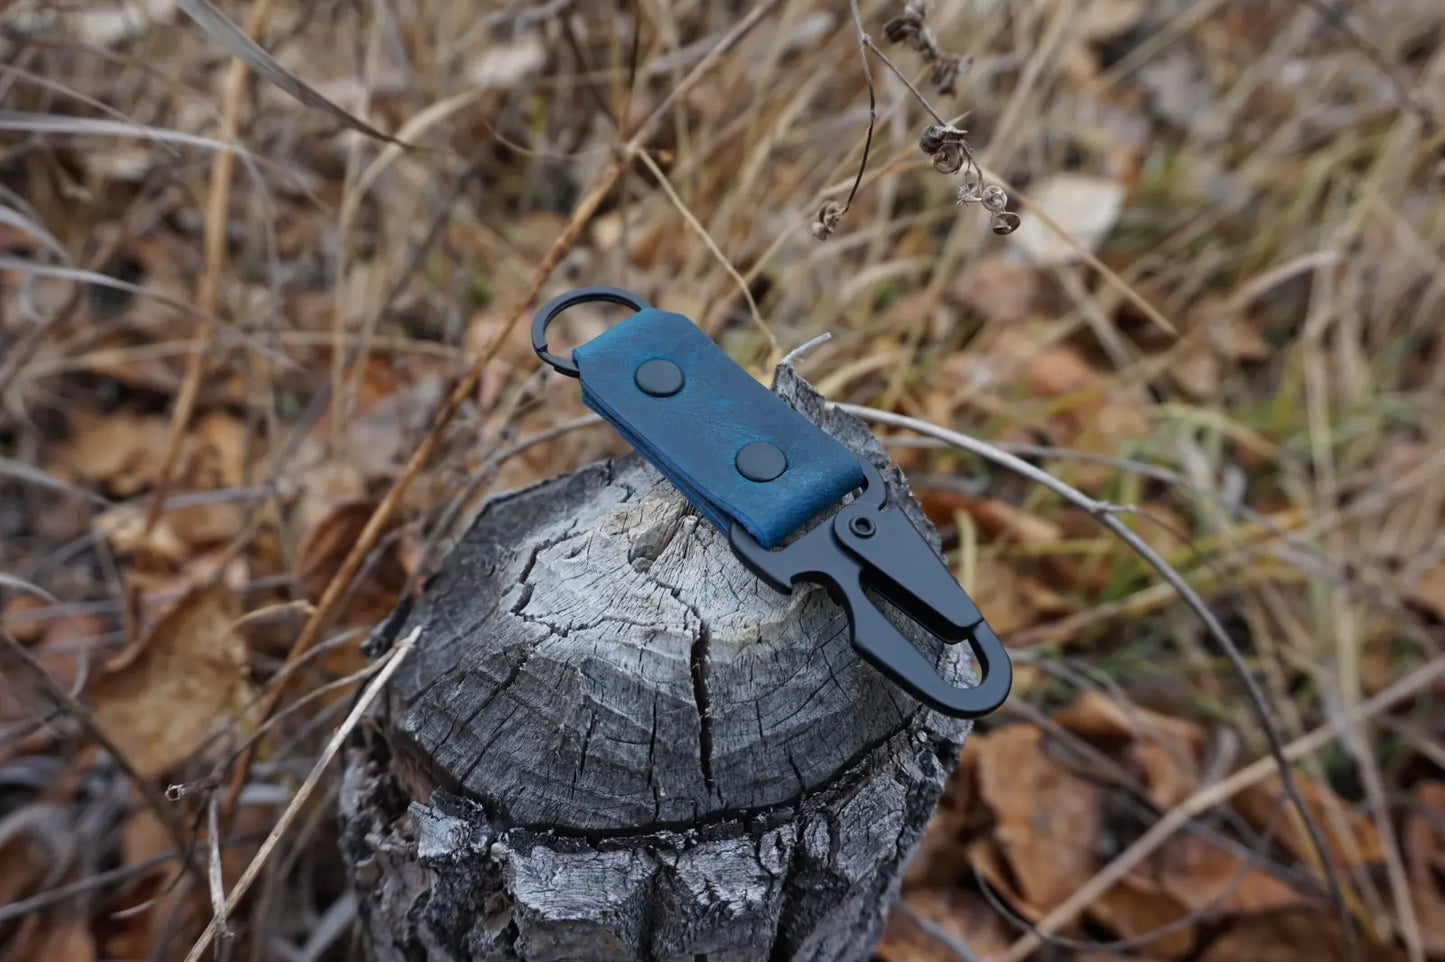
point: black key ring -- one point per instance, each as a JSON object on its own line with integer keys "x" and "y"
{"x": 582, "y": 295}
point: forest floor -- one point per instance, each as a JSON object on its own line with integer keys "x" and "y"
{"x": 258, "y": 363}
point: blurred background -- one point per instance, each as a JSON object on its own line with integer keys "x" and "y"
{"x": 243, "y": 285}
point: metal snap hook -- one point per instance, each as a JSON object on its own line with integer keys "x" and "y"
{"x": 555, "y": 307}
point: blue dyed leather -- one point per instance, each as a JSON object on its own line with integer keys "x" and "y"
{"x": 693, "y": 436}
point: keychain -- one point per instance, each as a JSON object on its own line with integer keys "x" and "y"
{"x": 760, "y": 471}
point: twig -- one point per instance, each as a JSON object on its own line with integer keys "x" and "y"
{"x": 467, "y": 386}
{"x": 243, "y": 884}
{"x": 1103, "y": 513}
{"x": 213, "y": 866}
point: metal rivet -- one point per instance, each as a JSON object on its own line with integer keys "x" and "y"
{"x": 760, "y": 461}
{"x": 658, "y": 377}
{"x": 862, "y": 527}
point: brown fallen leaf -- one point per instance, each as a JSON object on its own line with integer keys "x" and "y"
{"x": 1201, "y": 875}
{"x": 1047, "y": 818}
{"x": 159, "y": 700}
{"x": 1288, "y": 936}
{"x": 963, "y": 914}
{"x": 117, "y": 450}
{"x": 65, "y": 939}
{"x": 1361, "y": 847}
{"x": 1423, "y": 841}
{"x": 1136, "y": 907}
{"x": 1165, "y": 751}
{"x": 1001, "y": 287}
{"x": 325, "y": 549}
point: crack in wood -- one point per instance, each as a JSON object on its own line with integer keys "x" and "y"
{"x": 700, "y": 699}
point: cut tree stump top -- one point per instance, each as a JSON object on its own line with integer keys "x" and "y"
{"x": 594, "y": 661}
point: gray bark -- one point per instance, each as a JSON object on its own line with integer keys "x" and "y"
{"x": 613, "y": 742}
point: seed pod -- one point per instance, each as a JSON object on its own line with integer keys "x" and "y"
{"x": 994, "y": 198}
{"x": 827, "y": 220}
{"x": 1005, "y": 222}
{"x": 931, "y": 139}
{"x": 949, "y": 158}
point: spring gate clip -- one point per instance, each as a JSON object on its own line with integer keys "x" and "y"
{"x": 759, "y": 471}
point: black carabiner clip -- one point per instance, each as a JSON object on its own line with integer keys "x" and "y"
{"x": 869, "y": 543}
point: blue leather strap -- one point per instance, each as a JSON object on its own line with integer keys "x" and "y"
{"x": 693, "y": 435}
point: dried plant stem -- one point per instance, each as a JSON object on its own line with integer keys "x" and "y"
{"x": 686, "y": 213}
{"x": 897, "y": 72}
{"x": 208, "y": 292}
{"x": 1105, "y": 514}
{"x": 467, "y": 386}
{"x": 872, "y": 102}
{"x": 243, "y": 884}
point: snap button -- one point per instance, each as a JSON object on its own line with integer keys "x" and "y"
{"x": 760, "y": 461}
{"x": 658, "y": 377}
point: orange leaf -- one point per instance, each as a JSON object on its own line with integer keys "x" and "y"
{"x": 1048, "y": 819}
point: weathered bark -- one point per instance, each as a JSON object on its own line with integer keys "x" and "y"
{"x": 614, "y": 742}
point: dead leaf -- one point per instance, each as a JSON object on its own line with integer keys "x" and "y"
{"x": 1165, "y": 751}
{"x": 962, "y": 914}
{"x": 1047, "y": 818}
{"x": 1362, "y": 847}
{"x": 62, "y": 940}
{"x": 65, "y": 647}
{"x": 1423, "y": 842}
{"x": 1288, "y": 936}
{"x": 326, "y": 547}
{"x": 1201, "y": 875}
{"x": 1084, "y": 207}
{"x": 1002, "y": 288}
{"x": 160, "y": 703}
{"x": 18, "y": 617}
{"x": 1134, "y": 907}
{"x": 1013, "y": 601}
{"x": 117, "y": 450}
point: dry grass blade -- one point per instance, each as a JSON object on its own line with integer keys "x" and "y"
{"x": 13, "y": 218}
{"x": 707, "y": 239}
{"x": 102, "y": 280}
{"x": 1104, "y": 514}
{"x": 27, "y": 122}
{"x": 31, "y": 475}
{"x": 243, "y": 884}
{"x": 234, "y": 39}
{"x": 19, "y": 584}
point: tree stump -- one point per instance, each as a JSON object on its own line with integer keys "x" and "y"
{"x": 613, "y": 742}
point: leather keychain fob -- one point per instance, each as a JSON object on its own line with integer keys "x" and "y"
{"x": 760, "y": 471}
